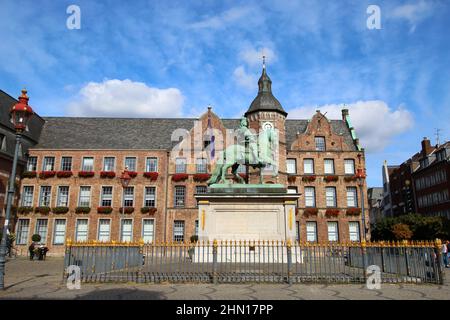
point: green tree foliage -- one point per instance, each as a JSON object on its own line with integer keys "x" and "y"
{"x": 422, "y": 227}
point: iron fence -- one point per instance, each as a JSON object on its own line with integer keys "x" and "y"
{"x": 255, "y": 261}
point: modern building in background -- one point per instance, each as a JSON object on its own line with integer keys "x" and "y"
{"x": 386, "y": 204}
{"x": 375, "y": 197}
{"x": 70, "y": 188}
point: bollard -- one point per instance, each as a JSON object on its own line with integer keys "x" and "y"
{"x": 215, "y": 261}
{"x": 289, "y": 261}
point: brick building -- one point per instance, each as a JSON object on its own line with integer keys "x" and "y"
{"x": 71, "y": 187}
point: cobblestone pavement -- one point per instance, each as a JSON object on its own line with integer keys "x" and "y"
{"x": 43, "y": 280}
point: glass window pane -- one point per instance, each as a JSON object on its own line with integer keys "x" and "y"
{"x": 41, "y": 229}
{"x": 331, "y": 196}
{"x": 66, "y": 164}
{"x": 311, "y": 231}
{"x": 352, "y": 197}
{"x": 333, "y": 231}
{"x": 353, "y": 230}
{"x": 349, "y": 166}
{"x": 59, "y": 235}
{"x": 201, "y": 165}
{"x": 48, "y": 164}
{"x": 150, "y": 197}
{"x": 88, "y": 164}
{"x": 320, "y": 143}
{"x": 27, "y": 196}
{"x": 126, "y": 234}
{"x": 329, "y": 166}
{"x": 291, "y": 166}
{"x": 22, "y": 231}
{"x": 180, "y": 165}
{"x": 128, "y": 196}
{"x": 148, "y": 230}
{"x": 106, "y": 196}
{"x": 130, "y": 163}
{"x": 178, "y": 231}
{"x": 63, "y": 196}
{"x": 308, "y": 166}
{"x": 109, "y": 164}
{"x": 32, "y": 164}
{"x": 104, "y": 229}
{"x": 81, "y": 231}
{"x": 310, "y": 197}
{"x": 180, "y": 196}
{"x": 85, "y": 197}
{"x": 44, "y": 200}
{"x": 151, "y": 165}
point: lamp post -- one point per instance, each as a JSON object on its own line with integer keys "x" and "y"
{"x": 20, "y": 113}
{"x": 361, "y": 176}
{"x": 125, "y": 181}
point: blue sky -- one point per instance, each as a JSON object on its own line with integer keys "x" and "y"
{"x": 173, "y": 58}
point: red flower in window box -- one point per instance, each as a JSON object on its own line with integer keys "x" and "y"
{"x": 310, "y": 212}
{"x": 149, "y": 210}
{"x": 152, "y": 175}
{"x": 64, "y": 174}
{"x": 107, "y": 174}
{"x": 180, "y": 177}
{"x": 42, "y": 210}
{"x": 86, "y": 174}
{"x": 126, "y": 210}
{"x": 201, "y": 177}
{"x": 132, "y": 174}
{"x": 46, "y": 174}
{"x": 291, "y": 179}
{"x": 331, "y": 178}
{"x": 350, "y": 178}
{"x": 29, "y": 174}
{"x": 353, "y": 211}
{"x": 332, "y": 212}
{"x": 104, "y": 209}
{"x": 309, "y": 178}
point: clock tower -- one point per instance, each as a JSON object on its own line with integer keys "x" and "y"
{"x": 266, "y": 112}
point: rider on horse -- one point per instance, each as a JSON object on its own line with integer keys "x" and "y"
{"x": 244, "y": 136}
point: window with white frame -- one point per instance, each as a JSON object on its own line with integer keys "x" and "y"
{"x": 130, "y": 163}
{"x": 84, "y": 199}
{"x": 41, "y": 229}
{"x": 310, "y": 197}
{"x": 59, "y": 231}
{"x": 44, "y": 197}
{"x": 48, "y": 164}
{"x": 320, "y": 143}
{"x": 180, "y": 165}
{"x": 352, "y": 197}
{"x": 330, "y": 193}
{"x": 349, "y": 166}
{"x": 178, "y": 230}
{"x": 106, "y": 196}
{"x": 328, "y": 166}
{"x": 353, "y": 230}
{"x": 333, "y": 231}
{"x": 151, "y": 164}
{"x": 308, "y": 166}
{"x": 32, "y": 164}
{"x": 292, "y": 190}
{"x": 63, "y": 196}
{"x": 148, "y": 230}
{"x": 150, "y": 197}
{"x": 81, "y": 230}
{"x": 109, "y": 163}
{"x": 126, "y": 230}
{"x": 201, "y": 165}
{"x": 180, "y": 193}
{"x": 196, "y": 227}
{"x": 23, "y": 227}
{"x": 128, "y": 197}
{"x": 311, "y": 231}
{"x": 87, "y": 164}
{"x": 104, "y": 230}
{"x": 27, "y": 196}
{"x": 291, "y": 166}
{"x": 66, "y": 164}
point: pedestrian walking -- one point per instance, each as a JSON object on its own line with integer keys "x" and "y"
{"x": 444, "y": 252}
{"x": 31, "y": 249}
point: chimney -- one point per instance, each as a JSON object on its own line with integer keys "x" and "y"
{"x": 426, "y": 147}
{"x": 344, "y": 114}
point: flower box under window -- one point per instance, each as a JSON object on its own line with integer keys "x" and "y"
{"x": 332, "y": 212}
{"x": 310, "y": 212}
{"x": 350, "y": 178}
{"x": 126, "y": 210}
{"x": 149, "y": 210}
{"x": 107, "y": 174}
{"x": 353, "y": 211}
{"x": 152, "y": 175}
{"x": 309, "y": 178}
{"x": 42, "y": 210}
{"x": 292, "y": 179}
{"x": 201, "y": 177}
{"x": 60, "y": 210}
{"x": 25, "y": 210}
{"x": 86, "y": 174}
{"x": 331, "y": 178}
{"x": 46, "y": 174}
{"x": 64, "y": 174}
{"x": 29, "y": 174}
{"x": 180, "y": 177}
{"x": 104, "y": 209}
{"x": 82, "y": 209}
{"x": 132, "y": 174}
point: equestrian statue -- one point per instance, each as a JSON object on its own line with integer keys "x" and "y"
{"x": 250, "y": 150}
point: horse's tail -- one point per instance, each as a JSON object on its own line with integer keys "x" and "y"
{"x": 215, "y": 174}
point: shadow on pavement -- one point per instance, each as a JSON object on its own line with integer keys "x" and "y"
{"x": 122, "y": 294}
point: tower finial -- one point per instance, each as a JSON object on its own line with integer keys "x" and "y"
{"x": 264, "y": 61}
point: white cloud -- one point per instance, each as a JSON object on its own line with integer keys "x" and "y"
{"x": 224, "y": 19}
{"x": 125, "y": 98}
{"x": 245, "y": 79}
{"x": 253, "y": 57}
{"x": 374, "y": 122}
{"x": 413, "y": 12}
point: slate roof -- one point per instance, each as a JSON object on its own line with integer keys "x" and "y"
{"x": 133, "y": 133}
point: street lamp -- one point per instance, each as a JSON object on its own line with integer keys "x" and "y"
{"x": 360, "y": 177}
{"x": 20, "y": 113}
{"x": 125, "y": 179}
